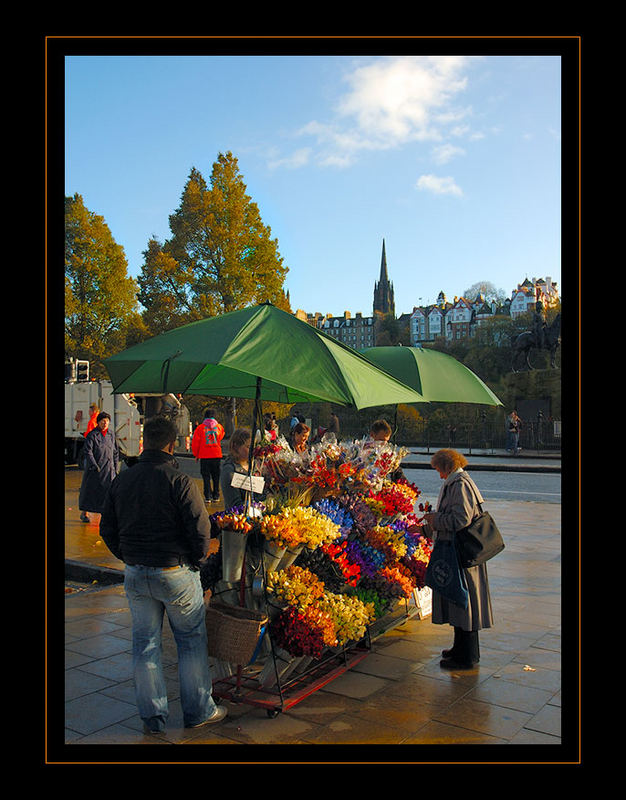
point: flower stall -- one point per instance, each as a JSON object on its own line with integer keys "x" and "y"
{"x": 333, "y": 556}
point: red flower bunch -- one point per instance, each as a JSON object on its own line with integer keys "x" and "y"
{"x": 303, "y": 633}
{"x": 393, "y": 499}
{"x": 350, "y": 571}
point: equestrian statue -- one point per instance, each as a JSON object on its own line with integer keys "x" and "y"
{"x": 541, "y": 337}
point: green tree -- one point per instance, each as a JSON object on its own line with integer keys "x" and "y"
{"x": 100, "y": 299}
{"x": 220, "y": 257}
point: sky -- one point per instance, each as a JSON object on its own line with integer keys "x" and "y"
{"x": 453, "y": 161}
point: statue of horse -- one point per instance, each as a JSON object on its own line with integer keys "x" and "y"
{"x": 527, "y": 340}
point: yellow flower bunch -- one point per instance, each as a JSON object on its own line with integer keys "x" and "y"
{"x": 388, "y": 540}
{"x": 350, "y": 615}
{"x": 296, "y": 586}
{"x": 299, "y": 525}
{"x": 422, "y": 553}
{"x": 276, "y": 528}
{"x": 377, "y": 506}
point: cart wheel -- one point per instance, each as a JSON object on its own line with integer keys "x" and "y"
{"x": 272, "y": 713}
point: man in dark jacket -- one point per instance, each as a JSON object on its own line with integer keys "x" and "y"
{"x": 154, "y": 519}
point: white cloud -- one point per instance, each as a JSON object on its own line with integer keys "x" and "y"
{"x": 445, "y": 152}
{"x": 437, "y": 185}
{"x": 389, "y": 102}
{"x": 297, "y": 159}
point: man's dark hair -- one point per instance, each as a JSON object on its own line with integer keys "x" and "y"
{"x": 158, "y": 432}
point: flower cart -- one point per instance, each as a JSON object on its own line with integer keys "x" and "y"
{"x": 329, "y": 561}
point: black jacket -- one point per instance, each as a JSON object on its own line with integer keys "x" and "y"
{"x": 154, "y": 514}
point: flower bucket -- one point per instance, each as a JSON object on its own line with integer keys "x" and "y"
{"x": 272, "y": 555}
{"x": 233, "y": 546}
{"x": 291, "y": 553}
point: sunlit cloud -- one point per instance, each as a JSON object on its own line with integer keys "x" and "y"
{"x": 438, "y": 185}
{"x": 390, "y": 102}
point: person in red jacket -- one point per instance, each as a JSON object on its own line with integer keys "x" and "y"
{"x": 207, "y": 448}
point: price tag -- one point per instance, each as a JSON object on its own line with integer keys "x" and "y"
{"x": 249, "y": 483}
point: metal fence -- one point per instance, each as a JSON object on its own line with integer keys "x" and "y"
{"x": 540, "y": 435}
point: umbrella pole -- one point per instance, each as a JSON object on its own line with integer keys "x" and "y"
{"x": 256, "y": 421}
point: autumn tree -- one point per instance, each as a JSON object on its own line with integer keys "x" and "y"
{"x": 220, "y": 256}
{"x": 100, "y": 299}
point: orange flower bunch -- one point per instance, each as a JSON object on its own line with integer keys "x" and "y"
{"x": 398, "y": 575}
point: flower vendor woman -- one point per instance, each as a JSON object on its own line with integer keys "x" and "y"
{"x": 457, "y": 505}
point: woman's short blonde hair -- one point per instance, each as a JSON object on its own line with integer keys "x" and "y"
{"x": 449, "y": 460}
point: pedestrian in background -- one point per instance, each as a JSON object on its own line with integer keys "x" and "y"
{"x": 100, "y": 457}
{"x": 93, "y": 417}
{"x": 513, "y": 427}
{"x": 154, "y": 520}
{"x": 457, "y": 505}
{"x": 207, "y": 448}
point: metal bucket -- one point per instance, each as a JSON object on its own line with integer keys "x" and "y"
{"x": 233, "y": 546}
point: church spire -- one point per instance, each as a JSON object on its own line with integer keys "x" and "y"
{"x": 383, "y": 289}
{"x": 383, "y": 266}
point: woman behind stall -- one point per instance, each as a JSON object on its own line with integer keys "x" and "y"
{"x": 235, "y": 462}
{"x": 457, "y": 505}
{"x": 299, "y": 438}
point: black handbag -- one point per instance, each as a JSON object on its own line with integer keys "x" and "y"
{"x": 479, "y": 542}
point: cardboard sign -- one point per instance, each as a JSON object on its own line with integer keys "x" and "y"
{"x": 249, "y": 483}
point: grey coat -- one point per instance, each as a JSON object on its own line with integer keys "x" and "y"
{"x": 101, "y": 460}
{"x": 456, "y": 508}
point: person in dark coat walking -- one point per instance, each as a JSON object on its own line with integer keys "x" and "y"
{"x": 101, "y": 461}
{"x": 154, "y": 519}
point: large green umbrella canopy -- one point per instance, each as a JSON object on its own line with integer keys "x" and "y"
{"x": 440, "y": 378}
{"x": 256, "y": 352}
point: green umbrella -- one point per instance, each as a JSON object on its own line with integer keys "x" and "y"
{"x": 257, "y": 352}
{"x": 437, "y": 376}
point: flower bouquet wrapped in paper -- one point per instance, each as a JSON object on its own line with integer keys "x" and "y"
{"x": 235, "y": 527}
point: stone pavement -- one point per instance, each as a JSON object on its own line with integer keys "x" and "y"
{"x": 396, "y": 705}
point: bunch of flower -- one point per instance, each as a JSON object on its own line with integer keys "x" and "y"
{"x": 295, "y": 586}
{"x": 368, "y": 557}
{"x": 293, "y": 526}
{"x": 351, "y": 571}
{"x": 400, "y": 576}
{"x": 392, "y": 499}
{"x": 304, "y": 632}
{"x": 336, "y": 513}
{"x": 276, "y": 528}
{"x": 387, "y": 590}
{"x": 389, "y": 541}
{"x": 362, "y": 515}
{"x": 410, "y": 529}
{"x": 417, "y": 569}
{"x": 350, "y": 615}
{"x": 321, "y": 564}
{"x": 369, "y": 596}
{"x": 233, "y": 520}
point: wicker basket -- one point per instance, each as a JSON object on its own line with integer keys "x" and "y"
{"x": 233, "y": 632}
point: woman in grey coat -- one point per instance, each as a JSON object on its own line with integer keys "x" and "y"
{"x": 101, "y": 460}
{"x": 457, "y": 505}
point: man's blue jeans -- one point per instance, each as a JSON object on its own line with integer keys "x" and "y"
{"x": 177, "y": 591}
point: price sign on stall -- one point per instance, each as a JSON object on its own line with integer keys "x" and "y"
{"x": 249, "y": 483}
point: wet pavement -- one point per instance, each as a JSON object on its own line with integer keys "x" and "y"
{"x": 395, "y": 705}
